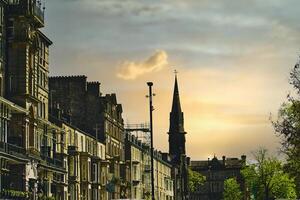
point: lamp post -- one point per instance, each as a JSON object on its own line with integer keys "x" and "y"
{"x": 150, "y": 84}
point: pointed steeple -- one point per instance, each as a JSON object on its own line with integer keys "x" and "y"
{"x": 176, "y": 131}
{"x": 176, "y": 115}
{"x": 176, "y": 107}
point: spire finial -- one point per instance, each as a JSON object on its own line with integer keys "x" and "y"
{"x": 176, "y": 72}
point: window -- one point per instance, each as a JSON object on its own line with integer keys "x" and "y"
{"x": 13, "y": 2}
{"x": 82, "y": 143}
{"x": 1, "y": 17}
{"x": 12, "y": 84}
{"x": 70, "y": 137}
{"x": 10, "y": 28}
{"x": 94, "y": 172}
{"x": 1, "y": 47}
{"x": 88, "y": 170}
{"x": 1, "y": 90}
{"x": 39, "y": 109}
{"x": 71, "y": 166}
{"x": 83, "y": 172}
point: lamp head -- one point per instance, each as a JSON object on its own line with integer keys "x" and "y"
{"x": 149, "y": 84}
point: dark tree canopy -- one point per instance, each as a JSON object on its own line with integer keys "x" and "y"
{"x": 287, "y": 127}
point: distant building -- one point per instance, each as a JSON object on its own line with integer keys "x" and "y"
{"x": 216, "y": 172}
{"x": 138, "y": 156}
{"x": 163, "y": 181}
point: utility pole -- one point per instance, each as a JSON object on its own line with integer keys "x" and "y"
{"x": 150, "y": 84}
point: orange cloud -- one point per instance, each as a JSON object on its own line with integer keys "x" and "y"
{"x": 131, "y": 70}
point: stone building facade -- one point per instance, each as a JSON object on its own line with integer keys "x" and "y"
{"x": 3, "y": 5}
{"x": 87, "y": 167}
{"x": 216, "y": 172}
{"x": 163, "y": 181}
{"x": 81, "y": 104}
{"x": 137, "y": 154}
{"x": 37, "y": 167}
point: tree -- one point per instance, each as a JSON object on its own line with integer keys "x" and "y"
{"x": 195, "y": 180}
{"x": 266, "y": 179}
{"x": 287, "y": 127}
{"x": 232, "y": 190}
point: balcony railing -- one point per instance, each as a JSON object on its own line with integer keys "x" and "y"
{"x": 54, "y": 162}
{"x": 72, "y": 149}
{"x": 12, "y": 149}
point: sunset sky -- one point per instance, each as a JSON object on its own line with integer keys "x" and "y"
{"x": 233, "y": 59}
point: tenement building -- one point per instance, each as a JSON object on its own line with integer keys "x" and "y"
{"x": 216, "y": 172}
{"x": 87, "y": 167}
{"x": 138, "y": 158}
{"x": 177, "y": 151}
{"x": 81, "y": 104}
{"x": 33, "y": 164}
{"x": 12, "y": 157}
{"x": 137, "y": 155}
{"x": 163, "y": 182}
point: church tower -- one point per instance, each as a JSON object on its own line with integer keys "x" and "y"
{"x": 176, "y": 131}
{"x": 177, "y": 147}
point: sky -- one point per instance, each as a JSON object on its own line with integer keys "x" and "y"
{"x": 233, "y": 59}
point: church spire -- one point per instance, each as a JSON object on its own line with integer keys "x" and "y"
{"x": 176, "y": 131}
{"x": 176, "y": 115}
{"x": 176, "y": 107}
{"x": 177, "y": 144}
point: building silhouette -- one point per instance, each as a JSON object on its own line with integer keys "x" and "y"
{"x": 177, "y": 151}
{"x": 216, "y": 172}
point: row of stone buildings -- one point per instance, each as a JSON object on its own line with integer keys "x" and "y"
{"x": 106, "y": 147}
{"x": 61, "y": 138}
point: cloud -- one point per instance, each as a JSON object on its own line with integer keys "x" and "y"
{"x": 230, "y": 79}
{"x": 130, "y": 70}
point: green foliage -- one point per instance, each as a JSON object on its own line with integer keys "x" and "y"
{"x": 287, "y": 127}
{"x": 195, "y": 180}
{"x": 14, "y": 193}
{"x": 266, "y": 179}
{"x": 232, "y": 190}
{"x": 283, "y": 186}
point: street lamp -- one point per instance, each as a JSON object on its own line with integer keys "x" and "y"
{"x": 150, "y": 84}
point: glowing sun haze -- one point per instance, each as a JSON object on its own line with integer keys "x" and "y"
{"x": 233, "y": 59}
